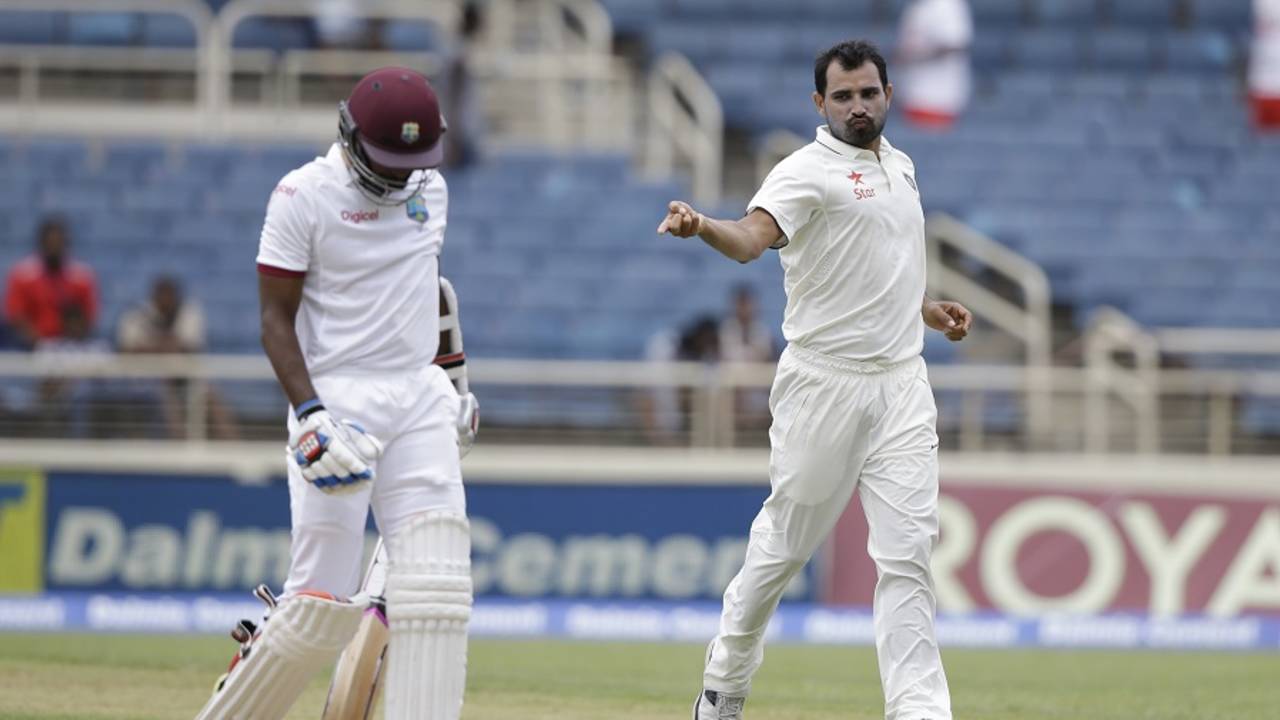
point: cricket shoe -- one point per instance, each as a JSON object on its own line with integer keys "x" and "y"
{"x": 711, "y": 705}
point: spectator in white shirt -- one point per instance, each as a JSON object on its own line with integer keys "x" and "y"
{"x": 743, "y": 338}
{"x": 168, "y": 323}
{"x": 1264, "y": 65}
{"x": 933, "y": 52}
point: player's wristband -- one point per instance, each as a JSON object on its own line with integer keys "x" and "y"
{"x": 306, "y": 408}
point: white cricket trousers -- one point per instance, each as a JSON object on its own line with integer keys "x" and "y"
{"x": 840, "y": 426}
{"x": 413, "y": 414}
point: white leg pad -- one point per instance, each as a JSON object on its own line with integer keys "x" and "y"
{"x": 428, "y": 608}
{"x": 302, "y": 635}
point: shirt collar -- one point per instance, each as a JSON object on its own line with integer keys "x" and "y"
{"x": 831, "y": 142}
{"x": 338, "y": 164}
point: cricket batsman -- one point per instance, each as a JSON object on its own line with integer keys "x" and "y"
{"x": 350, "y": 289}
{"x": 851, "y": 403}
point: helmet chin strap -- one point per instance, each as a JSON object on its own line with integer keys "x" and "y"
{"x": 382, "y": 190}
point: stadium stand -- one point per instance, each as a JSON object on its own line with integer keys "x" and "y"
{"x": 1107, "y": 141}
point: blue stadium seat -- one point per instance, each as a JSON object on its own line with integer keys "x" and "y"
{"x": 990, "y": 50}
{"x": 1261, "y": 415}
{"x": 633, "y": 16}
{"x": 409, "y": 36}
{"x": 1120, "y": 50}
{"x": 835, "y": 11}
{"x": 30, "y": 27}
{"x": 1002, "y": 15}
{"x": 1066, "y": 13}
{"x": 714, "y": 9}
{"x": 1143, "y": 13}
{"x": 1054, "y": 50}
{"x": 271, "y": 33}
{"x": 1203, "y": 51}
{"x": 164, "y": 30}
{"x": 1103, "y": 86}
{"x": 807, "y": 38}
{"x": 755, "y": 42}
{"x": 1172, "y": 89}
{"x": 700, "y": 43}
{"x": 1232, "y": 15}
{"x": 103, "y": 28}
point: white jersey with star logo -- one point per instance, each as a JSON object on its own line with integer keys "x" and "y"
{"x": 370, "y": 298}
{"x": 854, "y": 260}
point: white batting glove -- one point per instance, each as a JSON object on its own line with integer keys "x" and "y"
{"x": 468, "y": 422}
{"x": 334, "y": 456}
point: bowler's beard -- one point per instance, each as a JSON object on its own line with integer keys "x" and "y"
{"x": 857, "y": 136}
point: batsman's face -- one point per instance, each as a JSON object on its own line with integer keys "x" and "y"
{"x": 856, "y": 104}
{"x": 398, "y": 178}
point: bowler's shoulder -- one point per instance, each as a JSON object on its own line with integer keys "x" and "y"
{"x": 805, "y": 160}
{"x": 898, "y": 154}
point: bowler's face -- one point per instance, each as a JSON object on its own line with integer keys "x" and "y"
{"x": 856, "y": 104}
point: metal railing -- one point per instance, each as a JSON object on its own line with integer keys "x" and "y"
{"x": 525, "y": 400}
{"x": 1029, "y": 324}
{"x": 563, "y": 68}
{"x": 686, "y": 123}
{"x": 1124, "y": 361}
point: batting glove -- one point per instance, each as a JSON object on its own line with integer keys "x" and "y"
{"x": 468, "y": 422}
{"x": 334, "y": 456}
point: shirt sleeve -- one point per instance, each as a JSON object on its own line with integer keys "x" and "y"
{"x": 951, "y": 26}
{"x": 791, "y": 197}
{"x": 89, "y": 291}
{"x": 14, "y": 300}
{"x": 287, "y": 231}
{"x": 190, "y": 327}
{"x": 131, "y": 331}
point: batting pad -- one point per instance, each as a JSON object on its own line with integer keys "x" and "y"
{"x": 428, "y": 607}
{"x": 301, "y": 636}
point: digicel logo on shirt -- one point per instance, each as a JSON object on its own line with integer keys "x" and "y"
{"x": 359, "y": 216}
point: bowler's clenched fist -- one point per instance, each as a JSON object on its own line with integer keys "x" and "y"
{"x": 681, "y": 220}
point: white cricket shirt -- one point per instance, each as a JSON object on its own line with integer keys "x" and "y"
{"x": 940, "y": 84}
{"x": 1264, "y": 55}
{"x": 371, "y": 298}
{"x": 854, "y": 266}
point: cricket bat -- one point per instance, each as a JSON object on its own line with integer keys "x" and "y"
{"x": 353, "y": 692}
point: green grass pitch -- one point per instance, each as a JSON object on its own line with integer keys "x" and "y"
{"x": 92, "y": 677}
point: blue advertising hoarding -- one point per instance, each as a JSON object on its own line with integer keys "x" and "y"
{"x": 172, "y": 533}
{"x": 176, "y": 553}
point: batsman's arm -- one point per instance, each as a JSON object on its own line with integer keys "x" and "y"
{"x": 742, "y": 240}
{"x": 279, "y": 295}
{"x": 453, "y": 360}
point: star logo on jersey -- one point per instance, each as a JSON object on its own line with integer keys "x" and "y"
{"x": 416, "y": 209}
{"x": 856, "y": 177}
{"x": 410, "y": 132}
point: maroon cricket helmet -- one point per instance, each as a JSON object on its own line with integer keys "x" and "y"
{"x": 396, "y": 116}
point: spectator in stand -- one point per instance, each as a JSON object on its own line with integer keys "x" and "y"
{"x": 338, "y": 25}
{"x": 466, "y": 123}
{"x": 169, "y": 323}
{"x": 1264, "y": 65}
{"x": 933, "y": 52}
{"x": 65, "y": 405}
{"x": 47, "y": 287}
{"x": 744, "y": 339}
{"x": 663, "y": 408}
